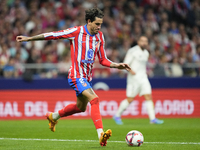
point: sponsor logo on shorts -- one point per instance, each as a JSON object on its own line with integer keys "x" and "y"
{"x": 82, "y": 82}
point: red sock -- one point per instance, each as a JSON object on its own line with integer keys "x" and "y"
{"x": 95, "y": 113}
{"x": 69, "y": 110}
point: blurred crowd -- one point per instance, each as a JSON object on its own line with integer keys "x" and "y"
{"x": 172, "y": 27}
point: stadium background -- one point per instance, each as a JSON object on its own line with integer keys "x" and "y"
{"x": 33, "y": 74}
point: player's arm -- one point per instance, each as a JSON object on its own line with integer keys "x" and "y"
{"x": 103, "y": 60}
{"x": 128, "y": 59}
{"x": 132, "y": 72}
{"x": 69, "y": 33}
{"x": 33, "y": 38}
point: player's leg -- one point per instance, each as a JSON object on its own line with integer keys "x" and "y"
{"x": 73, "y": 108}
{"x": 90, "y": 96}
{"x": 52, "y": 122}
{"x": 79, "y": 106}
{"x": 66, "y": 111}
{"x": 149, "y": 106}
{"x": 78, "y": 85}
{"x": 131, "y": 92}
{"x": 151, "y": 110}
{"x": 146, "y": 92}
{"x": 122, "y": 107}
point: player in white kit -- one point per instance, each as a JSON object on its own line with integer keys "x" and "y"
{"x": 137, "y": 81}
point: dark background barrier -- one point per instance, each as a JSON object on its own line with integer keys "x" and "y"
{"x": 108, "y": 83}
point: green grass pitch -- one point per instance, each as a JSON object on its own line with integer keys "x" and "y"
{"x": 174, "y": 134}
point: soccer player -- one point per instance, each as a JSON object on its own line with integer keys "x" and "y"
{"x": 86, "y": 42}
{"x": 137, "y": 81}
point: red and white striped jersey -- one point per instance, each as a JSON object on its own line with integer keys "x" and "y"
{"x": 84, "y": 48}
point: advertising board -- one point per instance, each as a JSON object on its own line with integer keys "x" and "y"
{"x": 33, "y": 104}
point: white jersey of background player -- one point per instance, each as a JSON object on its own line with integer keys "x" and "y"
{"x": 137, "y": 81}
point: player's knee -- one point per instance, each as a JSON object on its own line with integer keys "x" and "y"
{"x": 82, "y": 106}
{"x": 95, "y": 101}
{"x": 130, "y": 99}
{"x": 148, "y": 97}
{"x": 83, "y": 109}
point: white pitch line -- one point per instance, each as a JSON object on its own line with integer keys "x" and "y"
{"x": 67, "y": 140}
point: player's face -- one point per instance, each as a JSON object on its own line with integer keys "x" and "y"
{"x": 96, "y": 25}
{"x": 143, "y": 42}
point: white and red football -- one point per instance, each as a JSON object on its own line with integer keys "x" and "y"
{"x": 134, "y": 138}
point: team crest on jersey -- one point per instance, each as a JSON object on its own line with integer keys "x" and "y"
{"x": 97, "y": 44}
{"x": 90, "y": 53}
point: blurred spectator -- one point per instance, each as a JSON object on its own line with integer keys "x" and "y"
{"x": 137, "y": 32}
{"x": 51, "y": 70}
{"x": 196, "y": 8}
{"x": 191, "y": 16}
{"x": 163, "y": 35}
{"x": 64, "y": 64}
{"x": 176, "y": 70}
{"x": 4, "y": 55}
{"x": 151, "y": 64}
{"x": 173, "y": 28}
{"x": 151, "y": 21}
{"x": 154, "y": 43}
{"x": 40, "y": 72}
{"x": 115, "y": 58}
{"x": 32, "y": 59}
{"x": 19, "y": 64}
{"x": 196, "y": 56}
{"x": 161, "y": 69}
{"x": 193, "y": 44}
{"x": 196, "y": 60}
{"x": 187, "y": 69}
{"x": 9, "y": 70}
{"x": 19, "y": 48}
{"x": 180, "y": 11}
{"x": 170, "y": 54}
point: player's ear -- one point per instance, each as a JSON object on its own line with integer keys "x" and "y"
{"x": 89, "y": 21}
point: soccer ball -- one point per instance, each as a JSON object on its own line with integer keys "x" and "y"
{"x": 134, "y": 138}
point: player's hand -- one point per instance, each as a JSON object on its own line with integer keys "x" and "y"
{"x": 123, "y": 66}
{"x": 132, "y": 72}
{"x": 22, "y": 38}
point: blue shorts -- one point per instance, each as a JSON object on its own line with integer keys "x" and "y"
{"x": 79, "y": 85}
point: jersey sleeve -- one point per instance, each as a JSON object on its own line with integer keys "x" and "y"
{"x": 62, "y": 34}
{"x": 129, "y": 57}
{"x": 103, "y": 60}
{"x": 147, "y": 54}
